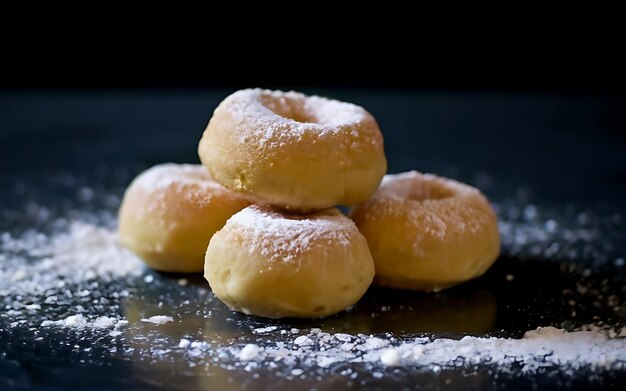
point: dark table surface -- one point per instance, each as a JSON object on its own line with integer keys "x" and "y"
{"x": 552, "y": 166}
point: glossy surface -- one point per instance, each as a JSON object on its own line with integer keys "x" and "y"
{"x": 554, "y": 168}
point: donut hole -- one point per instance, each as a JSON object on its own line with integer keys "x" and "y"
{"x": 291, "y": 109}
{"x": 297, "y": 115}
{"x": 429, "y": 193}
{"x": 301, "y": 117}
{"x": 424, "y": 191}
{"x": 276, "y": 213}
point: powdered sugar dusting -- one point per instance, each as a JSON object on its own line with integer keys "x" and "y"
{"x": 306, "y": 112}
{"x": 416, "y": 185}
{"x": 276, "y": 118}
{"x": 172, "y": 174}
{"x": 437, "y": 207}
{"x": 281, "y": 236}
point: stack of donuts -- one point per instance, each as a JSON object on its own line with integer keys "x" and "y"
{"x": 259, "y": 215}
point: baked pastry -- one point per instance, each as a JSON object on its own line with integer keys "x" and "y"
{"x": 427, "y": 232}
{"x": 272, "y": 264}
{"x": 297, "y": 152}
{"x": 169, "y": 213}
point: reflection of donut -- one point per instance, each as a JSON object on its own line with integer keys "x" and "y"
{"x": 271, "y": 264}
{"x": 428, "y": 233}
{"x": 295, "y": 151}
{"x": 185, "y": 325}
{"x": 405, "y": 312}
{"x": 170, "y": 212}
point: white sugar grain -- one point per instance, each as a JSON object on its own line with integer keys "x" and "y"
{"x": 249, "y": 352}
{"x": 264, "y": 330}
{"x": 390, "y": 357}
{"x": 158, "y": 319}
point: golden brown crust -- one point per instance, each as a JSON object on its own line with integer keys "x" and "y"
{"x": 298, "y": 152}
{"x": 170, "y": 212}
{"x": 271, "y": 264}
{"x": 428, "y": 233}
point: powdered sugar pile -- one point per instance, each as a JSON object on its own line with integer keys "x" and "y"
{"x": 68, "y": 279}
{"x": 81, "y": 322}
{"x": 35, "y": 263}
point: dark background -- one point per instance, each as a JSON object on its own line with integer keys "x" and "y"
{"x": 578, "y": 59}
{"x": 548, "y": 100}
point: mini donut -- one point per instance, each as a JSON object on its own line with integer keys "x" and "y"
{"x": 427, "y": 232}
{"x": 272, "y": 264}
{"x": 294, "y": 151}
{"x": 169, "y": 213}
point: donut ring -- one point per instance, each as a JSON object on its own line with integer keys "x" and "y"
{"x": 294, "y": 151}
{"x": 267, "y": 263}
{"x": 169, "y": 213}
{"x": 428, "y": 233}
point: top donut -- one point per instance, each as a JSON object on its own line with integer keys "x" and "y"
{"x": 297, "y": 152}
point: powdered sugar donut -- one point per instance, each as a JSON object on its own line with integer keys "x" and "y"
{"x": 428, "y": 233}
{"x": 170, "y": 212}
{"x": 295, "y": 151}
{"x": 272, "y": 264}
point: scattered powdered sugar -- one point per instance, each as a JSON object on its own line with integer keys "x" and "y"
{"x": 85, "y": 252}
{"x": 184, "y": 343}
{"x": 571, "y": 236}
{"x": 539, "y": 349}
{"x": 61, "y": 280}
{"x": 80, "y": 321}
{"x": 158, "y": 319}
{"x": 280, "y": 236}
{"x": 249, "y": 352}
{"x": 264, "y": 330}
